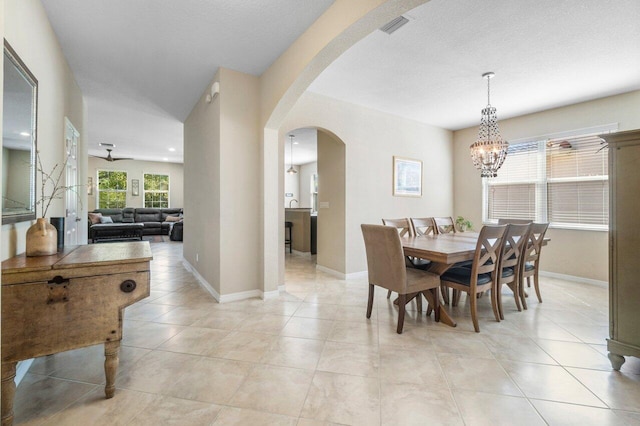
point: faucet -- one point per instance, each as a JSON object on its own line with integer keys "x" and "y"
{"x": 292, "y": 202}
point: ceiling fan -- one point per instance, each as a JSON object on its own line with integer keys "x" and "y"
{"x": 109, "y": 157}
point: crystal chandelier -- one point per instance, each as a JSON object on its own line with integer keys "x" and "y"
{"x": 489, "y": 151}
{"x": 291, "y": 170}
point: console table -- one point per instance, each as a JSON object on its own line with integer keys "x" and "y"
{"x": 69, "y": 300}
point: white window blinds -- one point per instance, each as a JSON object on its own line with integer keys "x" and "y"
{"x": 562, "y": 181}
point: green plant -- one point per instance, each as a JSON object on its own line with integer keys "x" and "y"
{"x": 463, "y": 224}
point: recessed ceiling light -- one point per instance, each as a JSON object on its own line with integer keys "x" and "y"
{"x": 172, "y": 149}
{"x": 25, "y": 134}
{"x": 296, "y": 143}
{"x": 165, "y": 159}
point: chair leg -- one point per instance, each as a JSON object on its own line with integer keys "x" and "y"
{"x": 419, "y": 302}
{"x": 370, "y": 303}
{"x": 389, "y": 294}
{"x": 523, "y": 298}
{"x": 436, "y": 303}
{"x": 528, "y": 282}
{"x": 456, "y": 294}
{"x": 445, "y": 294}
{"x": 401, "y": 305}
{"x": 537, "y": 286}
{"x": 499, "y": 301}
{"x": 495, "y": 294}
{"x": 473, "y": 302}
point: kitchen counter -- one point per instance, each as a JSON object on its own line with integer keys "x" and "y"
{"x": 301, "y": 231}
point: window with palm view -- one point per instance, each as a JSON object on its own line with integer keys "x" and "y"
{"x": 112, "y": 189}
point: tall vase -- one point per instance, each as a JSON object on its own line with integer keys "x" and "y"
{"x": 42, "y": 238}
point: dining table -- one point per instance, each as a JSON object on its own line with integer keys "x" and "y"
{"x": 444, "y": 251}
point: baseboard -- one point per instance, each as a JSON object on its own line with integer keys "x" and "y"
{"x": 358, "y": 275}
{"x": 21, "y": 369}
{"x": 301, "y": 253}
{"x": 574, "y": 278}
{"x": 330, "y": 271}
{"x": 233, "y": 297}
{"x": 203, "y": 283}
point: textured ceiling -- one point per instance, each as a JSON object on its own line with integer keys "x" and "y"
{"x": 143, "y": 64}
{"x": 545, "y": 53}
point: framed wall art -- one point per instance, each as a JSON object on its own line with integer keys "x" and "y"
{"x": 407, "y": 177}
{"x": 135, "y": 187}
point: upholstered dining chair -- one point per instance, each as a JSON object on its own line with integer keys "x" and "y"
{"x": 444, "y": 225}
{"x": 483, "y": 273}
{"x": 515, "y": 239}
{"x": 531, "y": 260}
{"x": 405, "y": 229}
{"x": 387, "y": 269}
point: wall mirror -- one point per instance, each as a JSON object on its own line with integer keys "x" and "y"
{"x": 19, "y": 130}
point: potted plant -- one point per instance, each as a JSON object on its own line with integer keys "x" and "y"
{"x": 463, "y": 224}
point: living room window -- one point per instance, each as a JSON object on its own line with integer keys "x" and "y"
{"x": 562, "y": 180}
{"x": 156, "y": 190}
{"x": 112, "y": 189}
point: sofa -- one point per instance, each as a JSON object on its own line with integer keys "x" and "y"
{"x": 149, "y": 222}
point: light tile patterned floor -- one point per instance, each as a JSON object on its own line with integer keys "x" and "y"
{"x": 311, "y": 357}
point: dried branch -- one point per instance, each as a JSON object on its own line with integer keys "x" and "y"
{"x": 57, "y": 190}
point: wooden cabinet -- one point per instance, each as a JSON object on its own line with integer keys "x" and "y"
{"x": 624, "y": 245}
{"x": 69, "y": 300}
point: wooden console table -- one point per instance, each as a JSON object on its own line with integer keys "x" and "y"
{"x": 66, "y": 301}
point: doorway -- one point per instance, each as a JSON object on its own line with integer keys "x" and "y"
{"x": 72, "y": 136}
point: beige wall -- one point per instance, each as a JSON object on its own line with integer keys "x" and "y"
{"x": 371, "y": 140}
{"x": 331, "y": 202}
{"x": 577, "y": 253}
{"x": 221, "y": 185}
{"x": 136, "y": 170}
{"x": 27, "y": 29}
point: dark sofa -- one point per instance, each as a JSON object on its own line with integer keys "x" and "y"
{"x": 154, "y": 221}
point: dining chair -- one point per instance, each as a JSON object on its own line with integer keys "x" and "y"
{"x": 515, "y": 239}
{"x": 483, "y": 274}
{"x": 531, "y": 260}
{"x": 444, "y": 225}
{"x": 423, "y": 226}
{"x": 504, "y": 221}
{"x": 387, "y": 269}
{"x": 405, "y": 229}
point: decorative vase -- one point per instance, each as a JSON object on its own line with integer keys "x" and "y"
{"x": 42, "y": 238}
{"x": 58, "y": 223}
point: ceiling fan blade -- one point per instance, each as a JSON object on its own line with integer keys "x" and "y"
{"x": 97, "y": 156}
{"x": 116, "y": 159}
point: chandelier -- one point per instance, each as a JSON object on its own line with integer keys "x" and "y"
{"x": 489, "y": 151}
{"x": 291, "y": 170}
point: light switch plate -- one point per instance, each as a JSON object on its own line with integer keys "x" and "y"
{"x": 324, "y": 204}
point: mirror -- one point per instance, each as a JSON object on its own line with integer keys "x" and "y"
{"x": 19, "y": 126}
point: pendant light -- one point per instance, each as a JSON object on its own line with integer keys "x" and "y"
{"x": 489, "y": 151}
{"x": 291, "y": 170}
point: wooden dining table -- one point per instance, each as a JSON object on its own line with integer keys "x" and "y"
{"x": 443, "y": 250}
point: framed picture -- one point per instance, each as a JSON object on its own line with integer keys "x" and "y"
{"x": 89, "y": 185}
{"x": 407, "y": 177}
{"x": 135, "y": 187}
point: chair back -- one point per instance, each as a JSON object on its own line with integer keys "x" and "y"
{"x": 514, "y": 221}
{"x": 423, "y": 226}
{"x": 444, "y": 225}
{"x": 385, "y": 259}
{"x": 515, "y": 240}
{"x": 534, "y": 245}
{"x": 402, "y": 225}
{"x": 488, "y": 250}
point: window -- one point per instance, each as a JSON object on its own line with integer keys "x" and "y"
{"x": 112, "y": 189}
{"x": 156, "y": 191}
{"x": 563, "y": 181}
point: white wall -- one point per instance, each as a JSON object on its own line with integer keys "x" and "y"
{"x": 306, "y": 175}
{"x": 27, "y": 29}
{"x": 371, "y": 140}
{"x": 136, "y": 170}
{"x": 221, "y": 146}
{"x": 570, "y": 252}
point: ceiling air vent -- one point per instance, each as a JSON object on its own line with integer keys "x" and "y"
{"x": 395, "y": 25}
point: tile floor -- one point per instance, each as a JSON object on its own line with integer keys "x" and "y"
{"x": 311, "y": 357}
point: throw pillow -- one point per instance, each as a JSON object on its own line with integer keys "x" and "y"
{"x": 172, "y": 219}
{"x": 106, "y": 219}
{"x": 95, "y": 218}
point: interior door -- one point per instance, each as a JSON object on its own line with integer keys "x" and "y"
{"x": 72, "y": 179}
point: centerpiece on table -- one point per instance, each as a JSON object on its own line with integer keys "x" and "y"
{"x": 42, "y": 236}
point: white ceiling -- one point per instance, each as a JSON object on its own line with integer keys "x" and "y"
{"x": 545, "y": 53}
{"x": 143, "y": 64}
{"x": 305, "y": 143}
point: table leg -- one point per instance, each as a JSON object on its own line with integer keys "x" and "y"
{"x": 111, "y": 367}
{"x": 444, "y": 315}
{"x": 8, "y": 392}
